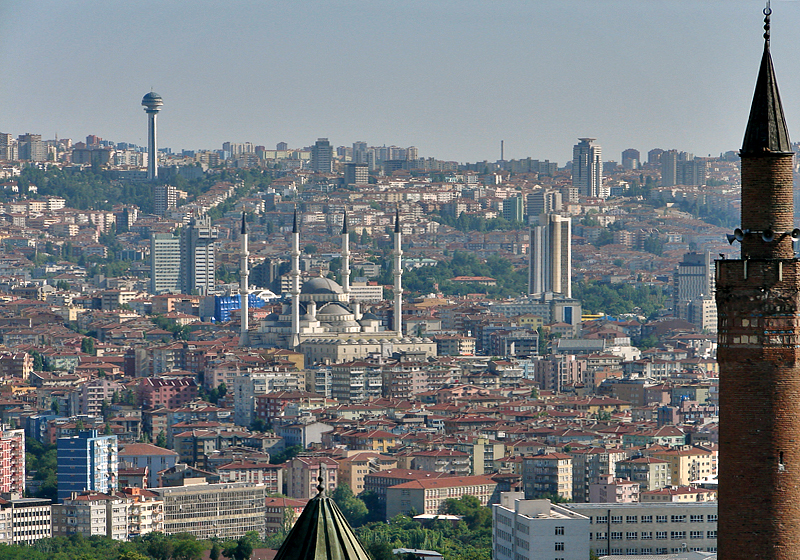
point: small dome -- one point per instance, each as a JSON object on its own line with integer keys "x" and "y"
{"x": 333, "y": 309}
{"x": 321, "y": 286}
{"x": 369, "y": 317}
{"x": 272, "y": 317}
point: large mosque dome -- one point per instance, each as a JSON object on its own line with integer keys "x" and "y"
{"x": 320, "y": 286}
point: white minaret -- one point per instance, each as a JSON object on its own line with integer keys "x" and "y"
{"x": 152, "y": 103}
{"x": 398, "y": 275}
{"x": 345, "y": 258}
{"x": 244, "y": 291}
{"x": 295, "y": 290}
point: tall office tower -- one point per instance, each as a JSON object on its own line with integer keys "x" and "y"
{"x": 654, "y": 156}
{"x": 669, "y": 168}
{"x": 198, "y": 262}
{"x": 691, "y": 172}
{"x": 587, "y": 168}
{"x": 244, "y": 286}
{"x": 165, "y": 199}
{"x": 398, "y": 275}
{"x": 12, "y": 459}
{"x": 152, "y": 103}
{"x": 758, "y": 302}
{"x": 359, "y": 152}
{"x": 322, "y": 156}
{"x": 544, "y": 201}
{"x": 87, "y": 461}
{"x": 513, "y": 209}
{"x": 165, "y": 263}
{"x": 30, "y": 147}
{"x": 630, "y": 159}
{"x": 356, "y": 174}
{"x": 6, "y": 145}
{"x": 281, "y": 146}
{"x": 550, "y": 267}
{"x": 693, "y": 278}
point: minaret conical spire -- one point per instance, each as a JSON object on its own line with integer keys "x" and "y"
{"x": 294, "y": 220}
{"x": 766, "y": 127}
{"x": 244, "y": 222}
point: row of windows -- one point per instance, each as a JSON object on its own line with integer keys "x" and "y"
{"x": 646, "y": 535}
{"x": 616, "y": 519}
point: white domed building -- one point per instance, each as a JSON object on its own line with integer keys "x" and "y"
{"x": 324, "y": 323}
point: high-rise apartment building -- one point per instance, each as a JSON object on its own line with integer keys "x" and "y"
{"x": 550, "y": 267}
{"x": 359, "y": 152}
{"x": 513, "y": 209}
{"x": 587, "y": 168}
{"x": 87, "y": 461}
{"x": 631, "y": 158}
{"x": 356, "y": 174}
{"x": 8, "y": 148}
{"x": 31, "y": 148}
{"x": 198, "y": 258}
{"x": 165, "y": 198}
{"x": 693, "y": 278}
{"x": 12, "y": 459}
{"x": 165, "y": 263}
{"x": 759, "y": 355}
{"x": 322, "y": 156}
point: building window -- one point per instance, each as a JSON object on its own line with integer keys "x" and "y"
{"x": 661, "y": 518}
{"x": 696, "y": 518}
{"x": 712, "y": 518}
{"x": 711, "y": 534}
{"x": 647, "y": 534}
{"x": 559, "y": 546}
{"x": 678, "y": 519}
{"x": 631, "y": 536}
{"x": 661, "y": 535}
{"x": 631, "y": 519}
{"x": 616, "y": 519}
{"x": 696, "y": 535}
{"x": 616, "y": 536}
{"x": 647, "y": 519}
{"x": 559, "y": 530}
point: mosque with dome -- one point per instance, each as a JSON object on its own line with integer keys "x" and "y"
{"x": 324, "y": 322}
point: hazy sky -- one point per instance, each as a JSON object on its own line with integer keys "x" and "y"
{"x": 452, "y": 77}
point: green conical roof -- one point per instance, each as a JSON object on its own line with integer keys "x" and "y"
{"x": 321, "y": 533}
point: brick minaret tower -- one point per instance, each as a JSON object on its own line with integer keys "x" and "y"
{"x": 758, "y": 301}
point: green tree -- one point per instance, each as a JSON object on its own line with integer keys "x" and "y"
{"x": 354, "y": 509}
{"x": 241, "y": 548}
{"x": 187, "y": 548}
{"x": 87, "y": 346}
{"x": 215, "y": 551}
{"x": 161, "y": 439}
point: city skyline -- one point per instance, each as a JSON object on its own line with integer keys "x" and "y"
{"x": 452, "y": 79}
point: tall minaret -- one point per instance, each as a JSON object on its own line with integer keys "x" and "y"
{"x": 152, "y": 103}
{"x": 345, "y": 258}
{"x": 758, "y": 303}
{"x": 295, "y": 289}
{"x": 398, "y": 275}
{"x": 244, "y": 291}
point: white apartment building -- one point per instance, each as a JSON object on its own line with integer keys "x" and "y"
{"x": 650, "y": 528}
{"x": 537, "y": 530}
{"x": 227, "y": 511}
{"x": 91, "y": 514}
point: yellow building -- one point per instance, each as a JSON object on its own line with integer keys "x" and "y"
{"x": 687, "y": 465}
